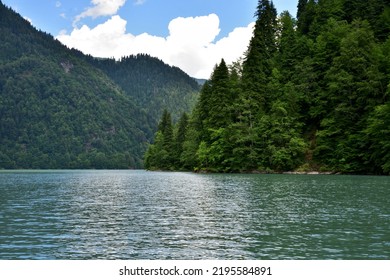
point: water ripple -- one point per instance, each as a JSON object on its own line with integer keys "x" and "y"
{"x": 143, "y": 215}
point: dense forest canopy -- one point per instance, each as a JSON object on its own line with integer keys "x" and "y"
{"x": 62, "y": 109}
{"x": 152, "y": 85}
{"x": 312, "y": 93}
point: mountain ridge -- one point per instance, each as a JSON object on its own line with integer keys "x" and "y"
{"x": 58, "y": 109}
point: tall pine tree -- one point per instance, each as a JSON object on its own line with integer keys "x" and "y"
{"x": 255, "y": 97}
{"x": 161, "y": 154}
{"x": 259, "y": 62}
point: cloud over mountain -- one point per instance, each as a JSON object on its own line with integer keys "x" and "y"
{"x": 190, "y": 44}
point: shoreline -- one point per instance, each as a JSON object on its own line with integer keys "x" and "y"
{"x": 259, "y": 172}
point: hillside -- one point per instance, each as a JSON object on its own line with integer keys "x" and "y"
{"x": 152, "y": 84}
{"x": 58, "y": 110}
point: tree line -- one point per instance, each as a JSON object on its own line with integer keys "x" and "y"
{"x": 311, "y": 93}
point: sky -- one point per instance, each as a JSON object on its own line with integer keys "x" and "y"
{"x": 191, "y": 34}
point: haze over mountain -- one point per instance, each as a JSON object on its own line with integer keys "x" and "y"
{"x": 62, "y": 109}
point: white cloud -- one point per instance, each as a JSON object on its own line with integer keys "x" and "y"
{"x": 139, "y": 2}
{"x": 101, "y": 8}
{"x": 58, "y": 4}
{"x": 190, "y": 45}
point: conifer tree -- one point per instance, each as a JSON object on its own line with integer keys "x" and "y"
{"x": 258, "y": 63}
{"x": 161, "y": 155}
{"x": 301, "y": 8}
{"x": 216, "y": 114}
{"x": 353, "y": 89}
{"x": 376, "y": 12}
{"x": 180, "y": 137}
{"x": 288, "y": 47}
{"x": 220, "y": 98}
{"x": 307, "y": 14}
{"x": 255, "y": 97}
{"x": 327, "y": 9}
{"x": 377, "y": 135}
{"x": 189, "y": 159}
{"x": 203, "y": 108}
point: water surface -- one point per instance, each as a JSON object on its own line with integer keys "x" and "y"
{"x": 157, "y": 215}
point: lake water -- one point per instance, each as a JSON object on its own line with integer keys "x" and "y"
{"x": 156, "y": 215}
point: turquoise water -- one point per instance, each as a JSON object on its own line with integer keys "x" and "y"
{"x": 156, "y": 215}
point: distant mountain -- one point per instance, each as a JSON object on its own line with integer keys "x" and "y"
{"x": 201, "y": 82}
{"x": 62, "y": 109}
{"x": 154, "y": 85}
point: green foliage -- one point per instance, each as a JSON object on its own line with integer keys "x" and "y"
{"x": 193, "y": 137}
{"x": 259, "y": 61}
{"x": 62, "y": 109}
{"x": 282, "y": 143}
{"x": 307, "y": 11}
{"x": 157, "y": 157}
{"x": 180, "y": 137}
{"x": 49, "y": 118}
{"x": 353, "y": 90}
{"x": 153, "y": 85}
{"x": 168, "y": 146}
{"x": 378, "y": 137}
{"x": 376, "y": 12}
{"x": 310, "y": 94}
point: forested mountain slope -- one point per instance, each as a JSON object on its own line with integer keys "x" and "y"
{"x": 312, "y": 94}
{"x": 152, "y": 84}
{"x": 58, "y": 110}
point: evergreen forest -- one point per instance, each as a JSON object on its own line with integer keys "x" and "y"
{"x": 311, "y": 93}
{"x": 61, "y": 109}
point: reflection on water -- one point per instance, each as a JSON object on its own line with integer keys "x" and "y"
{"x": 144, "y": 215}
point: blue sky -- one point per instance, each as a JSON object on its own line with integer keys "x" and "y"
{"x": 104, "y": 27}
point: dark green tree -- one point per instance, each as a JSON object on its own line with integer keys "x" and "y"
{"x": 161, "y": 154}
{"x": 327, "y": 9}
{"x": 258, "y": 62}
{"x": 180, "y": 137}
{"x": 254, "y": 97}
{"x": 189, "y": 158}
{"x": 377, "y": 135}
{"x": 217, "y": 110}
{"x": 307, "y": 14}
{"x": 301, "y": 8}
{"x": 221, "y": 98}
{"x": 354, "y": 88}
{"x": 376, "y": 12}
{"x": 289, "y": 49}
